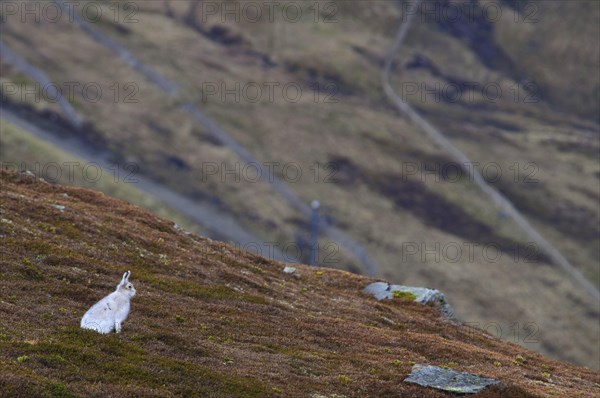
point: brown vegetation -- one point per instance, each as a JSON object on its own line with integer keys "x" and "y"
{"x": 210, "y": 320}
{"x": 556, "y": 132}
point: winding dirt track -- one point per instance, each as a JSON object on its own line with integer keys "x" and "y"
{"x": 503, "y": 203}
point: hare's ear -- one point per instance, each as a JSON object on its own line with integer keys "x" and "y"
{"x": 125, "y": 278}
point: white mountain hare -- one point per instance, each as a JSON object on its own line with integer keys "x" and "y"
{"x": 108, "y": 314}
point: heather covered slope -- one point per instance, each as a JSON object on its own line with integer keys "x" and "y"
{"x": 213, "y": 321}
{"x": 357, "y": 154}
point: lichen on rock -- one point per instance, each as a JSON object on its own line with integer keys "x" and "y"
{"x": 422, "y": 295}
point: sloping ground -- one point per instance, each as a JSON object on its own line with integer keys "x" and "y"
{"x": 212, "y": 321}
{"x": 361, "y": 134}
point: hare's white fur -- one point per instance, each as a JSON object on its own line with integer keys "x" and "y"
{"x": 108, "y": 314}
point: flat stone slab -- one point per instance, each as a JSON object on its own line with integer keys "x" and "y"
{"x": 448, "y": 380}
{"x": 423, "y": 295}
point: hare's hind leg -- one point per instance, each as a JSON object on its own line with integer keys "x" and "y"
{"x": 118, "y": 327}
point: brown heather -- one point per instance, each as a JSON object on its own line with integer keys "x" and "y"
{"x": 212, "y": 321}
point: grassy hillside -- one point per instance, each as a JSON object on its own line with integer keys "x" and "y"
{"x": 546, "y": 149}
{"x": 213, "y": 321}
{"x": 22, "y": 151}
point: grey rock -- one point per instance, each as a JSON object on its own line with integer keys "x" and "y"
{"x": 423, "y": 295}
{"x": 289, "y": 270}
{"x": 448, "y": 380}
{"x": 379, "y": 290}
